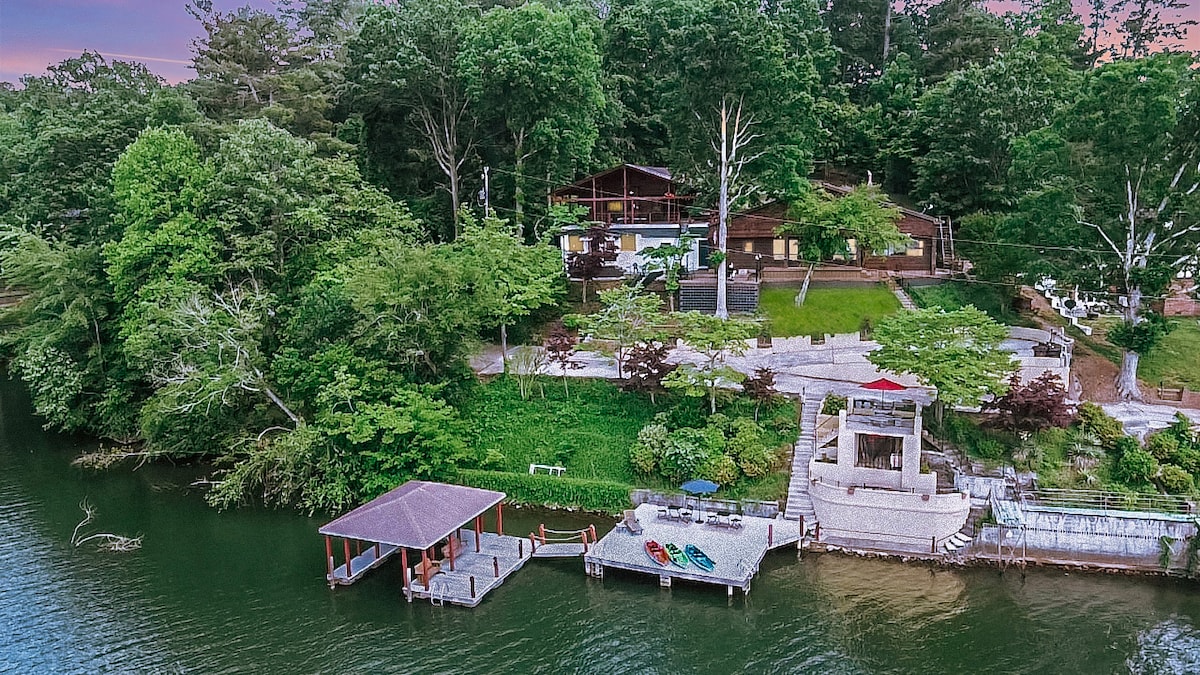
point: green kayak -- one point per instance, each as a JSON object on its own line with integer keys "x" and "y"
{"x": 677, "y": 556}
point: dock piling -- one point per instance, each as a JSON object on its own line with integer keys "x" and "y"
{"x": 496, "y": 566}
{"x": 520, "y": 548}
{"x": 472, "y": 586}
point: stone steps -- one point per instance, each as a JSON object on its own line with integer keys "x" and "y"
{"x": 799, "y": 504}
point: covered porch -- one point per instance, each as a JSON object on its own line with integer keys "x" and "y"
{"x": 441, "y": 525}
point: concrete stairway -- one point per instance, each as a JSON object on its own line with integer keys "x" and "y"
{"x": 799, "y": 504}
{"x": 905, "y": 301}
{"x": 961, "y": 539}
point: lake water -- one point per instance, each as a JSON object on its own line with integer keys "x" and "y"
{"x": 243, "y": 591}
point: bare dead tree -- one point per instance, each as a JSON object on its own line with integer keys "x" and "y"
{"x": 106, "y": 541}
{"x": 732, "y": 138}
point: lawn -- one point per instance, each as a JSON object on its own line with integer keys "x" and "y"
{"x": 825, "y": 310}
{"x": 591, "y": 431}
{"x": 1177, "y": 359}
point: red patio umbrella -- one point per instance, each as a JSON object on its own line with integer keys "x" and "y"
{"x": 884, "y": 384}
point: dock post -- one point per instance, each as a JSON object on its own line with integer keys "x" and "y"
{"x": 358, "y": 547}
{"x": 933, "y": 544}
{"x": 664, "y": 581}
{"x": 450, "y": 545}
{"x": 592, "y": 530}
{"x": 770, "y": 534}
{"x": 532, "y": 544}
{"x": 817, "y": 534}
{"x": 802, "y": 530}
{"x": 377, "y": 550}
{"x": 329, "y": 558}
{"x": 729, "y": 590}
{"x": 404, "y": 574}
{"x": 478, "y": 531}
{"x": 500, "y": 519}
{"x": 496, "y": 566}
{"x": 346, "y": 545}
{"x": 472, "y": 587}
{"x": 583, "y": 536}
{"x": 520, "y": 549}
{"x": 542, "y": 532}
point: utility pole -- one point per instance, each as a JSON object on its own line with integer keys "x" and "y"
{"x": 487, "y": 192}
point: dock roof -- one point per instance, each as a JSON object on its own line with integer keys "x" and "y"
{"x": 415, "y": 515}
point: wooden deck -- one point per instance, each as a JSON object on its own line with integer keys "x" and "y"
{"x": 559, "y": 551}
{"x": 736, "y": 552}
{"x": 475, "y": 573}
{"x": 359, "y": 565}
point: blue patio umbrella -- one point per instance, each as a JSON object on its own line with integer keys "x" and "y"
{"x": 699, "y": 486}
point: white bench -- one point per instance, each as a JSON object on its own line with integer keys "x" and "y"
{"x": 551, "y": 470}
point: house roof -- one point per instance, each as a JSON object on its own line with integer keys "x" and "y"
{"x": 762, "y": 221}
{"x": 846, "y": 189}
{"x": 659, "y": 172}
{"x": 415, "y": 515}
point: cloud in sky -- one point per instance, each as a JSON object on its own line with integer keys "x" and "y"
{"x": 36, "y": 33}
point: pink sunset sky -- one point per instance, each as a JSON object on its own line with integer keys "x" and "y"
{"x": 35, "y": 33}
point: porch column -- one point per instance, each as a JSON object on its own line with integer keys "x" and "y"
{"x": 500, "y": 519}
{"x": 478, "y": 531}
{"x": 329, "y": 557}
{"x": 404, "y": 574}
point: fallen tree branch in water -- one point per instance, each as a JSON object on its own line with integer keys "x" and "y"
{"x": 104, "y": 458}
{"x": 107, "y": 541}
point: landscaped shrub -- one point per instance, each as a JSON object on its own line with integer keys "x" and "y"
{"x": 1136, "y": 467}
{"x": 1123, "y": 446}
{"x": 833, "y": 404}
{"x": 1175, "y": 480}
{"x": 1187, "y": 458}
{"x": 720, "y": 469}
{"x": 989, "y": 449}
{"x": 650, "y": 446}
{"x": 541, "y": 489}
{"x": 1095, "y": 421}
{"x": 1036, "y": 405}
{"x": 756, "y": 461}
{"x": 683, "y": 455}
{"x": 1163, "y": 446}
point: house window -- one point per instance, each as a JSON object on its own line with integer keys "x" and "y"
{"x": 916, "y": 249}
{"x": 629, "y": 242}
{"x": 748, "y": 246}
{"x": 779, "y": 248}
{"x": 615, "y": 207}
{"x": 574, "y": 243}
{"x": 878, "y": 452}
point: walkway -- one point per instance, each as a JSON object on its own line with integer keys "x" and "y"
{"x": 799, "y": 504}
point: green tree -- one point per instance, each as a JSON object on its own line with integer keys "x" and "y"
{"x": 404, "y": 65}
{"x": 823, "y": 222}
{"x": 958, "y": 352}
{"x": 627, "y": 318}
{"x": 713, "y": 338}
{"x": 536, "y": 71}
{"x": 1111, "y": 184}
{"x": 510, "y": 279}
{"x": 669, "y": 258}
{"x": 740, "y": 81}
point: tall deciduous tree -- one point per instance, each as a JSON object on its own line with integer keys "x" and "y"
{"x": 628, "y": 317}
{"x": 510, "y": 279}
{"x": 740, "y": 93}
{"x": 404, "y": 62}
{"x": 958, "y": 352}
{"x": 536, "y": 71}
{"x": 1115, "y": 179}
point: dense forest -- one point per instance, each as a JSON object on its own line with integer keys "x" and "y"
{"x": 283, "y": 263}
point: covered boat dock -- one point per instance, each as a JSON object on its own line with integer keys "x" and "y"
{"x": 458, "y": 563}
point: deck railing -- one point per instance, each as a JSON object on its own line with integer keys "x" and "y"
{"x": 1108, "y": 501}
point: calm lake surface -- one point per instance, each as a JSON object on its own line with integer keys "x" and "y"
{"x": 244, "y": 591}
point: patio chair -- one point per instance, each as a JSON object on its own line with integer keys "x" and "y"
{"x": 673, "y": 512}
{"x": 631, "y": 522}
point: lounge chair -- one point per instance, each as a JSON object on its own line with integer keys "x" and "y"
{"x": 631, "y": 522}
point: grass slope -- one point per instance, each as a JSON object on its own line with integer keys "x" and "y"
{"x": 589, "y": 432}
{"x": 954, "y": 295}
{"x": 1177, "y": 359}
{"x": 825, "y": 310}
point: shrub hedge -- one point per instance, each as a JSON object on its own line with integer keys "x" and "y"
{"x": 544, "y": 490}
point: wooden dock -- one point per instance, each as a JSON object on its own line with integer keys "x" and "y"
{"x": 475, "y": 572}
{"x": 360, "y": 564}
{"x": 736, "y": 551}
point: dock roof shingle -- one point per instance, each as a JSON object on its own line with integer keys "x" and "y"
{"x": 415, "y": 515}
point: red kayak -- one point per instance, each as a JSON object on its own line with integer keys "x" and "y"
{"x": 657, "y": 553}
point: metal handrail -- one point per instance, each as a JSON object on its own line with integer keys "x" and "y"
{"x": 1107, "y": 500}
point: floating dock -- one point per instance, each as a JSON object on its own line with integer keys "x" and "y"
{"x": 736, "y": 551}
{"x": 480, "y": 566}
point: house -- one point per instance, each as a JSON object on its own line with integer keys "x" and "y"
{"x": 753, "y": 242}
{"x": 871, "y": 485}
{"x": 639, "y": 207}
